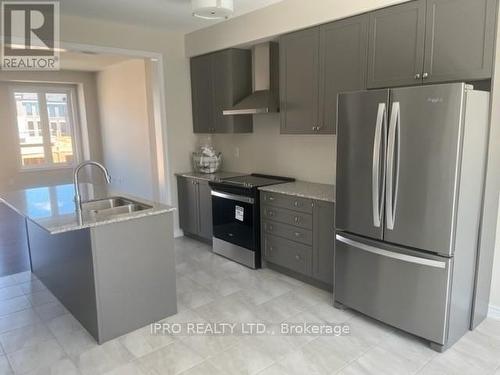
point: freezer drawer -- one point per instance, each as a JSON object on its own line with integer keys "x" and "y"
{"x": 403, "y": 288}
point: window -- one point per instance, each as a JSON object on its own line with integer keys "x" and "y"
{"x": 46, "y": 136}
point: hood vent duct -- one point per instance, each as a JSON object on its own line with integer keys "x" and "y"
{"x": 265, "y": 98}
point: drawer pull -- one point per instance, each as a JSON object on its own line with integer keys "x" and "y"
{"x": 296, "y": 204}
{"x": 297, "y": 219}
{"x": 298, "y": 257}
{"x": 270, "y": 227}
{"x": 297, "y": 234}
{"x": 270, "y": 213}
{"x": 270, "y": 198}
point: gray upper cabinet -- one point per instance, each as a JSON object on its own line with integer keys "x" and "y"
{"x": 430, "y": 41}
{"x": 396, "y": 45}
{"x": 323, "y": 241}
{"x": 299, "y": 81}
{"x": 195, "y": 207}
{"x": 459, "y": 40}
{"x": 218, "y": 81}
{"x": 343, "y": 59}
{"x": 316, "y": 65}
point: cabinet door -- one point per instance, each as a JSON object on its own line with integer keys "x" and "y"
{"x": 299, "y": 81}
{"x": 459, "y": 40}
{"x": 323, "y": 241}
{"x": 188, "y": 205}
{"x": 202, "y": 94}
{"x": 343, "y": 61}
{"x": 205, "y": 210}
{"x": 222, "y": 76}
{"x": 396, "y": 45}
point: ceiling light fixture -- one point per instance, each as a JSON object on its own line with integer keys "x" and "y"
{"x": 213, "y": 9}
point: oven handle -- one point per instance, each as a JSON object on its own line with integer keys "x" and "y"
{"x": 234, "y": 197}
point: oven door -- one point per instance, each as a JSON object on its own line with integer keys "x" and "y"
{"x": 234, "y": 219}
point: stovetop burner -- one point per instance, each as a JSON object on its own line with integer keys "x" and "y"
{"x": 256, "y": 180}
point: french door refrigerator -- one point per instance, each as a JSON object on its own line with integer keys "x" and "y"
{"x": 410, "y": 171}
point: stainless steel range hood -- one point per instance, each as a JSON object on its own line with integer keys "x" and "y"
{"x": 265, "y": 98}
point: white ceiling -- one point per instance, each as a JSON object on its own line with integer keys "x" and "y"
{"x": 89, "y": 62}
{"x": 168, "y": 14}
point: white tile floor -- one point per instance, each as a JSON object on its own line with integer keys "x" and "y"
{"x": 38, "y": 336}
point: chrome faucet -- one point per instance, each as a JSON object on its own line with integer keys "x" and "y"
{"x": 76, "y": 182}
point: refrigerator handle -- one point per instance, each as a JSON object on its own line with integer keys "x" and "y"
{"x": 393, "y": 148}
{"x": 380, "y": 135}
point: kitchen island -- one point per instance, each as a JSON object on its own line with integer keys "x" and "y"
{"x": 113, "y": 267}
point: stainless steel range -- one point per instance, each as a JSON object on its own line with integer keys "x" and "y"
{"x": 236, "y": 217}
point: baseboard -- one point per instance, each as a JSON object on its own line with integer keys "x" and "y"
{"x": 494, "y": 312}
{"x": 178, "y": 233}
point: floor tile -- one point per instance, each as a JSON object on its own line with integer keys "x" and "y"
{"x": 142, "y": 341}
{"x": 25, "y": 337}
{"x": 5, "y": 368}
{"x": 103, "y": 358}
{"x": 243, "y": 358}
{"x": 32, "y": 286}
{"x": 18, "y": 319}
{"x": 23, "y": 277}
{"x": 7, "y": 281}
{"x": 36, "y": 357}
{"x": 13, "y": 305}
{"x": 204, "y": 368}
{"x": 41, "y": 298}
{"x": 10, "y": 292}
{"x": 49, "y": 311}
{"x": 63, "y": 366}
{"x": 128, "y": 369}
{"x": 172, "y": 359}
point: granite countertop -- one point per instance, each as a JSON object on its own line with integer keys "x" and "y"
{"x": 212, "y": 176}
{"x": 311, "y": 190}
{"x": 53, "y": 207}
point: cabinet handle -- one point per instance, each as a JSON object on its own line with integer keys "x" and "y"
{"x": 270, "y": 199}
{"x": 417, "y": 76}
{"x": 270, "y": 228}
{"x": 297, "y": 234}
{"x": 298, "y": 257}
{"x": 270, "y": 213}
{"x": 425, "y": 75}
{"x": 296, "y": 219}
{"x": 296, "y": 204}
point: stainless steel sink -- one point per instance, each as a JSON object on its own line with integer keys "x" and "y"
{"x": 112, "y": 206}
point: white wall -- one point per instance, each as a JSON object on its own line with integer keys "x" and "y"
{"x": 11, "y": 177}
{"x": 305, "y": 157}
{"x": 125, "y": 127}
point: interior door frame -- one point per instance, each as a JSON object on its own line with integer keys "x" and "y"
{"x": 155, "y": 78}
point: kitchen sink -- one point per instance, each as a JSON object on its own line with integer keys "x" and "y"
{"x": 112, "y": 206}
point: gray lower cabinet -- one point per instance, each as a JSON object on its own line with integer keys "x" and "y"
{"x": 429, "y": 41}
{"x": 195, "y": 207}
{"x": 315, "y": 66}
{"x": 218, "y": 81}
{"x": 396, "y": 46}
{"x": 298, "y": 235}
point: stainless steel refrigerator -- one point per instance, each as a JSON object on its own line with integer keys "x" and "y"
{"x": 410, "y": 172}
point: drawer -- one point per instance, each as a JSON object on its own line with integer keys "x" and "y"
{"x": 406, "y": 289}
{"x": 287, "y": 201}
{"x": 289, "y": 217}
{"x": 288, "y": 254}
{"x": 288, "y": 231}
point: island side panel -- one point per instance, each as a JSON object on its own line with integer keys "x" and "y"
{"x": 63, "y": 262}
{"x": 134, "y": 262}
